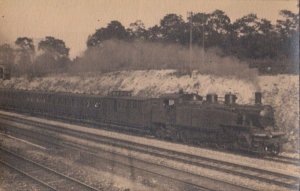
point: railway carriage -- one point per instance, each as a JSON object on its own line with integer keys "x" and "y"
{"x": 120, "y": 107}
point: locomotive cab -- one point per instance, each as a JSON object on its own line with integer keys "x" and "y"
{"x": 166, "y": 112}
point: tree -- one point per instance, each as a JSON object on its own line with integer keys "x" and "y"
{"x": 114, "y": 30}
{"x": 218, "y": 29}
{"x": 154, "y": 34}
{"x": 254, "y": 38}
{"x": 174, "y": 29}
{"x": 246, "y": 26}
{"x": 199, "y": 22}
{"x": 137, "y": 30}
{"x": 117, "y": 30}
{"x": 288, "y": 26}
{"x": 6, "y": 55}
{"x": 289, "y": 38}
{"x": 25, "y": 43}
{"x": 288, "y": 30}
{"x": 24, "y": 54}
{"x": 54, "y": 57}
{"x": 55, "y": 47}
{"x": 25, "y": 51}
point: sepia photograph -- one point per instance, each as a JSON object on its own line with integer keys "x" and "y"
{"x": 149, "y": 95}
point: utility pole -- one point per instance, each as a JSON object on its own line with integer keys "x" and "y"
{"x": 203, "y": 36}
{"x": 190, "y": 15}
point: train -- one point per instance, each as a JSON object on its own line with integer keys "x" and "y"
{"x": 182, "y": 117}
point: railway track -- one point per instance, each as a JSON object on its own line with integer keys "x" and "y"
{"x": 284, "y": 159}
{"x": 231, "y": 168}
{"x": 186, "y": 180}
{"x": 48, "y": 178}
{"x": 94, "y": 124}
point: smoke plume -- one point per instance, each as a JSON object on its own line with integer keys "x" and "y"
{"x": 115, "y": 55}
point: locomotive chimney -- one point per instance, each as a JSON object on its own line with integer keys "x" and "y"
{"x": 258, "y": 96}
{"x": 212, "y": 98}
{"x": 230, "y": 99}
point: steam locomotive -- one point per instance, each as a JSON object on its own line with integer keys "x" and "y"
{"x": 181, "y": 117}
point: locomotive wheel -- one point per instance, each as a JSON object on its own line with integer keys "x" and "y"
{"x": 183, "y": 137}
{"x": 220, "y": 141}
{"x": 160, "y": 132}
{"x": 275, "y": 149}
{"x": 272, "y": 149}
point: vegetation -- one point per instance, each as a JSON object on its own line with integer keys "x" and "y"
{"x": 52, "y": 56}
{"x": 271, "y": 48}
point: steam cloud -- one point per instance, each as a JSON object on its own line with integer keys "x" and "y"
{"x": 115, "y": 55}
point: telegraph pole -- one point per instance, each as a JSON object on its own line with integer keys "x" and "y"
{"x": 203, "y": 36}
{"x": 190, "y": 15}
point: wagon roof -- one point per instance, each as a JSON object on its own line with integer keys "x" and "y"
{"x": 129, "y": 97}
{"x": 177, "y": 95}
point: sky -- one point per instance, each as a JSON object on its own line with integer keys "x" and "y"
{"x": 74, "y": 20}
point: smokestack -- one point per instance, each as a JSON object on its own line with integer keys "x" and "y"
{"x": 212, "y": 98}
{"x": 230, "y": 99}
{"x": 258, "y": 96}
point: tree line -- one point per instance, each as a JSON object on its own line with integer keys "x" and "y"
{"x": 263, "y": 44}
{"x": 272, "y": 48}
{"x": 51, "y": 56}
